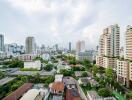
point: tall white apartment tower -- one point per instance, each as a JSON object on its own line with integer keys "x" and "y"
{"x": 129, "y": 42}
{"x": 30, "y": 45}
{"x": 1, "y": 42}
{"x": 109, "y": 42}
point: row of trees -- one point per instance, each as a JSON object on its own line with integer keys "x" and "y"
{"x": 41, "y": 59}
{"x": 20, "y": 80}
{"x": 15, "y": 63}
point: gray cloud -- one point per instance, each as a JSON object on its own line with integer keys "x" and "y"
{"x": 61, "y": 21}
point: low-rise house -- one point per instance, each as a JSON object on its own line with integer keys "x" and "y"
{"x": 57, "y": 88}
{"x": 30, "y": 95}
{"x": 19, "y": 92}
{"x": 79, "y": 73}
{"x": 27, "y": 57}
{"x": 92, "y": 95}
{"x": 69, "y": 82}
{"x": 33, "y": 64}
{"x": 58, "y": 78}
{"x": 94, "y": 83}
{"x": 77, "y": 65}
{"x": 72, "y": 94}
{"x": 83, "y": 81}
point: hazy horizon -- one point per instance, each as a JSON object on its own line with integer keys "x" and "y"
{"x": 62, "y": 21}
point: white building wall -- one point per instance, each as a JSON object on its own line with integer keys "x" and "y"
{"x": 35, "y": 64}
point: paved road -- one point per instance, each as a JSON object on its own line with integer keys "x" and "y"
{"x": 82, "y": 95}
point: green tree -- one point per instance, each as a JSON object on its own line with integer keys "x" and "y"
{"x": 66, "y": 72}
{"x": 87, "y": 64}
{"x": 84, "y": 74}
{"x": 102, "y": 83}
{"x": 109, "y": 74}
{"x": 95, "y": 70}
{"x": 48, "y": 67}
{"x": 104, "y": 92}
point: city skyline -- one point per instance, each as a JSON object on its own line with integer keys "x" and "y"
{"x": 76, "y": 20}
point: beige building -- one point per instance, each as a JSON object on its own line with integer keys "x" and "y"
{"x": 109, "y": 42}
{"x": 124, "y": 67}
{"x": 109, "y": 62}
{"x": 109, "y": 46}
{"x": 80, "y": 46}
{"x": 122, "y": 71}
{"x": 129, "y": 43}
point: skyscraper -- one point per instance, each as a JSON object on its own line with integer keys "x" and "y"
{"x": 109, "y": 47}
{"x": 1, "y": 42}
{"x": 129, "y": 42}
{"x": 70, "y": 46}
{"x": 80, "y": 46}
{"x": 30, "y": 45}
{"x": 109, "y": 42}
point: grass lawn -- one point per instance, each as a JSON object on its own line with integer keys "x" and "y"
{"x": 118, "y": 96}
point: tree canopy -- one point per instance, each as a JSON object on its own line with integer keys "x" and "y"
{"x": 104, "y": 92}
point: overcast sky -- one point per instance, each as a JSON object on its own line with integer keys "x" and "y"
{"x": 61, "y": 21}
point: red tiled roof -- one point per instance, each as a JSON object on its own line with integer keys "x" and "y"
{"x": 19, "y": 92}
{"x": 69, "y": 95}
{"x": 58, "y": 86}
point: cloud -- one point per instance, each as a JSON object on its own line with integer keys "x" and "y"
{"x": 62, "y": 20}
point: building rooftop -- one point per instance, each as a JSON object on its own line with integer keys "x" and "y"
{"x": 19, "y": 92}
{"x": 72, "y": 94}
{"x": 68, "y": 80}
{"x": 56, "y": 97}
{"x": 84, "y": 80}
{"x": 94, "y": 95}
{"x": 59, "y": 86}
{"x": 58, "y": 77}
{"x": 30, "y": 95}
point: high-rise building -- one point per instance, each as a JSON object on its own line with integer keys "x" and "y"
{"x": 30, "y": 45}
{"x": 124, "y": 67}
{"x": 109, "y": 47}
{"x": 1, "y": 42}
{"x": 56, "y": 47}
{"x": 109, "y": 42}
{"x": 129, "y": 42}
{"x": 70, "y": 46}
{"x": 80, "y": 46}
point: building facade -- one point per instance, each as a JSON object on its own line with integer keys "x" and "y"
{"x": 30, "y": 45}
{"x": 109, "y": 47}
{"x": 1, "y": 42}
{"x": 129, "y": 43}
{"x": 80, "y": 46}
{"x": 70, "y": 46}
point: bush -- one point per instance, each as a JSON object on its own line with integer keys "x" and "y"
{"x": 84, "y": 74}
{"x": 104, "y": 92}
{"x": 48, "y": 67}
{"x": 66, "y": 72}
